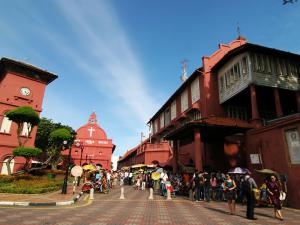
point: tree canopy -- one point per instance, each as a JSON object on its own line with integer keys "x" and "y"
{"x": 45, "y": 127}
{"x": 27, "y": 152}
{"x": 23, "y": 114}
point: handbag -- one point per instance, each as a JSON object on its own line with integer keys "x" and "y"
{"x": 282, "y": 196}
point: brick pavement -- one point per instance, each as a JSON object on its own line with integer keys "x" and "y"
{"x": 107, "y": 209}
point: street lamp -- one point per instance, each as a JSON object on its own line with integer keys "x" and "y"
{"x": 80, "y": 145}
{"x": 64, "y": 188}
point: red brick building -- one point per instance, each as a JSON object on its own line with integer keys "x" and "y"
{"x": 240, "y": 108}
{"x": 21, "y": 84}
{"x": 97, "y": 148}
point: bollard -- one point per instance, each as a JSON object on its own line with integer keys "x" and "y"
{"x": 151, "y": 194}
{"x": 122, "y": 193}
{"x": 191, "y": 195}
{"x": 92, "y": 194}
{"x": 169, "y": 194}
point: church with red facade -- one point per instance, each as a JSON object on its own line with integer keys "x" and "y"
{"x": 92, "y": 146}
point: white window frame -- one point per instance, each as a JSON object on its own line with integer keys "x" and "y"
{"x": 5, "y": 125}
{"x": 162, "y": 120}
{"x": 184, "y": 100}
{"x": 173, "y": 110}
{"x": 25, "y": 129}
{"x": 195, "y": 90}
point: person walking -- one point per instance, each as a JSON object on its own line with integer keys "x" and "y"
{"x": 207, "y": 187}
{"x": 247, "y": 188}
{"x": 230, "y": 191}
{"x": 273, "y": 188}
{"x": 197, "y": 186}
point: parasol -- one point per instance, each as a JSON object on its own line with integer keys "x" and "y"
{"x": 138, "y": 165}
{"x": 89, "y": 167}
{"x": 267, "y": 172}
{"x": 155, "y": 176}
{"x": 239, "y": 170}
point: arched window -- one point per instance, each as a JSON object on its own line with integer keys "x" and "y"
{"x": 5, "y": 125}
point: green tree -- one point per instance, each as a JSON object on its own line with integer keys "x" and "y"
{"x": 51, "y": 144}
{"x": 20, "y": 116}
{"x": 57, "y": 139}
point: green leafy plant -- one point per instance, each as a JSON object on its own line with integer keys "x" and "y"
{"x": 20, "y": 116}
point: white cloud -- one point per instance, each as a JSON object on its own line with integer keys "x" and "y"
{"x": 110, "y": 61}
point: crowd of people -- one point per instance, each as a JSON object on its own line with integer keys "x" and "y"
{"x": 204, "y": 186}
{"x": 199, "y": 186}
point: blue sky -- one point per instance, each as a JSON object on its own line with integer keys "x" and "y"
{"x": 121, "y": 58}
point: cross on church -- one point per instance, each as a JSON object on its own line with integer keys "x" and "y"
{"x": 91, "y": 130}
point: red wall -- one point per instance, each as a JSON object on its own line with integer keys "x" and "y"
{"x": 272, "y": 146}
{"x": 10, "y": 98}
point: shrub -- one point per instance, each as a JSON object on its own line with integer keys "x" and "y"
{"x": 27, "y": 152}
{"x": 6, "y": 179}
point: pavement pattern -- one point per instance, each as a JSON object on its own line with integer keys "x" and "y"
{"x": 136, "y": 209}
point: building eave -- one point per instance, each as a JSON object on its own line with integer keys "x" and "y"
{"x": 27, "y": 70}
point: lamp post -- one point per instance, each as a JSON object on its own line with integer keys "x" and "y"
{"x": 80, "y": 145}
{"x": 64, "y": 188}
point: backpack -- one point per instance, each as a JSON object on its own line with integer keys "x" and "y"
{"x": 246, "y": 188}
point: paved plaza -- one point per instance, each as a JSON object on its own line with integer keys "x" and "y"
{"x": 136, "y": 209}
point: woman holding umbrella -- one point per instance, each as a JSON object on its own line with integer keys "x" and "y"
{"x": 273, "y": 188}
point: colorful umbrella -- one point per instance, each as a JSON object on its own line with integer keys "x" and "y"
{"x": 155, "y": 176}
{"x": 89, "y": 167}
{"x": 239, "y": 170}
{"x": 138, "y": 165}
{"x": 267, "y": 171}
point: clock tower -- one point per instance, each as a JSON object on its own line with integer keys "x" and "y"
{"x": 21, "y": 84}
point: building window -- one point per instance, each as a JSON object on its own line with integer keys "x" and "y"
{"x": 173, "y": 110}
{"x": 244, "y": 65}
{"x": 195, "y": 90}
{"x": 162, "y": 120}
{"x": 267, "y": 66}
{"x": 26, "y": 129}
{"x": 231, "y": 76}
{"x": 6, "y": 124}
{"x": 293, "y": 142}
{"x": 260, "y": 63}
{"x": 196, "y": 116}
{"x": 237, "y": 112}
{"x": 167, "y": 117}
{"x": 184, "y": 101}
{"x": 236, "y": 72}
{"x": 222, "y": 83}
{"x": 155, "y": 126}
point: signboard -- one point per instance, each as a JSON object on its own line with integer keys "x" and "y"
{"x": 255, "y": 159}
{"x": 293, "y": 143}
{"x": 76, "y": 171}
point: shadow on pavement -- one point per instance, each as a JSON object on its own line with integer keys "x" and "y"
{"x": 261, "y": 214}
{"x": 222, "y": 211}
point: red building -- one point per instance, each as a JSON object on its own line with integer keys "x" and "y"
{"x": 95, "y": 148}
{"x": 21, "y": 84}
{"x": 240, "y": 108}
{"x": 146, "y": 153}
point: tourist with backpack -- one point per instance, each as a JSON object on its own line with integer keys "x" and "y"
{"x": 247, "y": 188}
